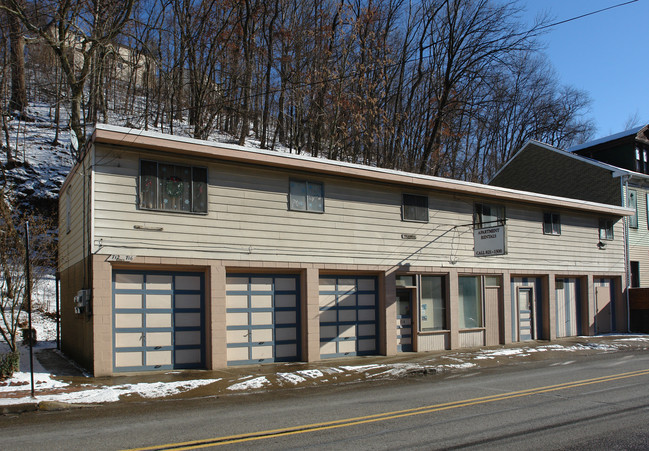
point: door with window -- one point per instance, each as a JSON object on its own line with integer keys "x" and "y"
{"x": 525, "y": 301}
{"x": 404, "y": 320}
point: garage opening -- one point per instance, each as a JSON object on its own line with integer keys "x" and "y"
{"x": 262, "y": 318}
{"x": 348, "y": 316}
{"x": 158, "y": 320}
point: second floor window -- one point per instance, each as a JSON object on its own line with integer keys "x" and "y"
{"x": 414, "y": 208}
{"x": 172, "y": 187}
{"x": 488, "y": 215}
{"x": 306, "y": 196}
{"x": 551, "y": 224}
{"x": 605, "y": 229}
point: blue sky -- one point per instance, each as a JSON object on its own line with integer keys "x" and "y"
{"x": 606, "y": 55}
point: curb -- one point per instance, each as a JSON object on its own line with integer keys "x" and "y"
{"x": 43, "y": 406}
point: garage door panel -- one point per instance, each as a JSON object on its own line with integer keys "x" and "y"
{"x": 367, "y": 299}
{"x": 328, "y": 348}
{"x": 347, "y": 300}
{"x": 237, "y": 283}
{"x": 188, "y": 356}
{"x": 128, "y": 320}
{"x": 238, "y": 354}
{"x": 238, "y": 336}
{"x": 236, "y": 301}
{"x": 367, "y": 285}
{"x": 236, "y": 319}
{"x": 328, "y": 332}
{"x": 261, "y": 284}
{"x": 158, "y": 358}
{"x": 365, "y": 330}
{"x": 329, "y": 316}
{"x": 261, "y": 301}
{"x": 188, "y": 301}
{"x": 347, "y": 316}
{"x": 261, "y": 318}
{"x": 169, "y": 315}
{"x": 128, "y": 340}
{"x": 129, "y": 359}
{"x": 285, "y": 284}
{"x": 327, "y": 300}
{"x": 126, "y": 281}
{"x": 158, "y": 339}
{"x": 327, "y": 284}
{"x": 262, "y": 352}
{"x": 347, "y": 331}
{"x": 366, "y": 315}
{"x": 187, "y": 319}
{"x": 346, "y": 285}
{"x": 285, "y": 300}
{"x": 187, "y": 338}
{"x": 286, "y": 334}
{"x": 159, "y": 282}
{"x": 128, "y": 301}
{"x": 347, "y": 346}
{"x": 367, "y": 345}
{"x": 262, "y": 335}
{"x": 188, "y": 283}
{"x": 264, "y": 309}
{"x": 157, "y": 320}
{"x": 284, "y": 351}
{"x": 285, "y": 317}
{"x": 158, "y": 301}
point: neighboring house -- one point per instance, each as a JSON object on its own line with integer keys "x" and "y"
{"x": 180, "y": 253}
{"x": 545, "y": 169}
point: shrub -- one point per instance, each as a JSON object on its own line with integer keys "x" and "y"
{"x": 9, "y": 363}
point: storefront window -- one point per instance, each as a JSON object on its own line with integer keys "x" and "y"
{"x": 470, "y": 296}
{"x": 432, "y": 314}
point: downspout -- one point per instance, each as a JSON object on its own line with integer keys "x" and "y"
{"x": 624, "y": 188}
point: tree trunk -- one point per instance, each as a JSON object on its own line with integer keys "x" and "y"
{"x": 18, "y": 100}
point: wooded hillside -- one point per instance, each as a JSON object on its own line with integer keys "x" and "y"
{"x": 442, "y": 87}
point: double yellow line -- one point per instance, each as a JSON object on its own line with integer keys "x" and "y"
{"x": 273, "y": 433}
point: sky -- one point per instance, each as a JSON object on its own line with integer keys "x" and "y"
{"x": 605, "y": 55}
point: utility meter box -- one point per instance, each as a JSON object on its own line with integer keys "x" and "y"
{"x": 82, "y": 302}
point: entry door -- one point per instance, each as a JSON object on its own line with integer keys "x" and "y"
{"x": 404, "y": 320}
{"x": 603, "y": 318}
{"x": 525, "y": 314}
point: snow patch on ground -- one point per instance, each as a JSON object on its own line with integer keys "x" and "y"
{"x": 311, "y": 374}
{"x": 114, "y": 393}
{"x": 256, "y": 383}
{"x": 291, "y": 377}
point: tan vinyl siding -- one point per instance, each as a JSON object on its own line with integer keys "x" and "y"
{"x": 248, "y": 219}
{"x": 71, "y": 240}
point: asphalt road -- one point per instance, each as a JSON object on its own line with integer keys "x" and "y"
{"x": 594, "y": 402}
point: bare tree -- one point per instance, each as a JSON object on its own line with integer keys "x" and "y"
{"x": 75, "y": 30}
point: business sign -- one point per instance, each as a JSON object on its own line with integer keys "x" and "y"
{"x": 489, "y": 241}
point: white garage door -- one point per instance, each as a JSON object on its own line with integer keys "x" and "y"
{"x": 262, "y": 318}
{"x": 348, "y": 316}
{"x": 158, "y": 320}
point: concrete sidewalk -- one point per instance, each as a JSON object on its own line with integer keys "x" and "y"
{"x": 70, "y": 380}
